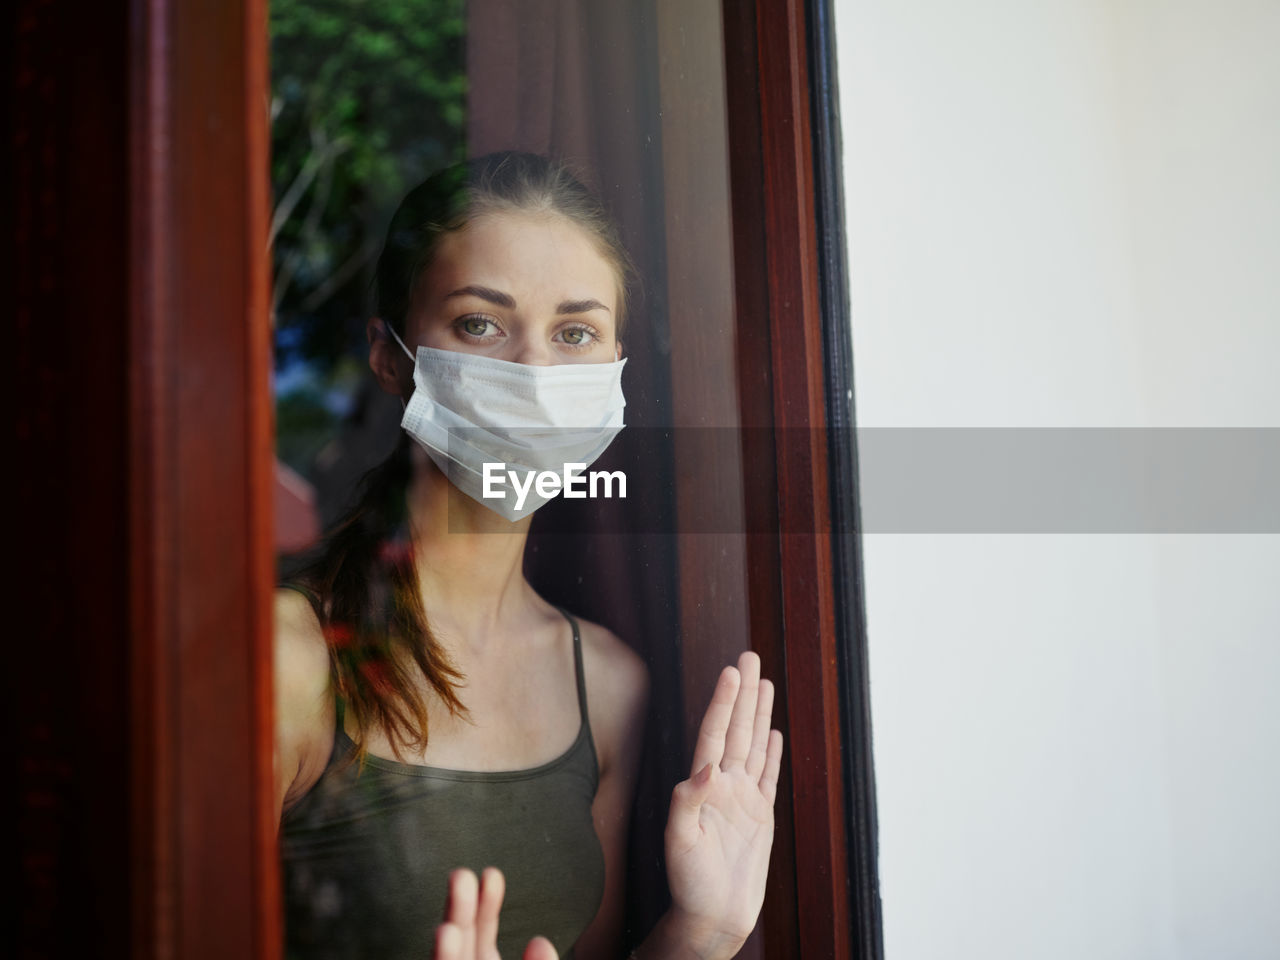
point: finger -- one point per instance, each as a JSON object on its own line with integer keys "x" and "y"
{"x": 683, "y": 828}
{"x": 772, "y": 766}
{"x": 737, "y": 743}
{"x": 760, "y": 733}
{"x": 492, "y": 888}
{"x": 464, "y": 890}
{"x": 715, "y": 722}
{"x": 540, "y": 948}
{"x": 448, "y": 942}
{"x": 459, "y": 907}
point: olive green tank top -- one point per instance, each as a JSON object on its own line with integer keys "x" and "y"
{"x": 366, "y": 853}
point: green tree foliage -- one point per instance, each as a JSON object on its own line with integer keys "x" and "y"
{"x": 368, "y": 97}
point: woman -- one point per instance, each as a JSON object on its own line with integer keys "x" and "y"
{"x": 501, "y": 299}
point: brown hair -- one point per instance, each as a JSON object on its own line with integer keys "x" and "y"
{"x": 364, "y": 583}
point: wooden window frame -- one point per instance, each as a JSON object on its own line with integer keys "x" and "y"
{"x": 186, "y": 477}
{"x": 202, "y": 482}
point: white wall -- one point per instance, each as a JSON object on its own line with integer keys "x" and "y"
{"x": 1067, "y": 213}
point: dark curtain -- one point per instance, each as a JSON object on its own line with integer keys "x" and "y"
{"x": 579, "y": 81}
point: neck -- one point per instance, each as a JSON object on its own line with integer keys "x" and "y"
{"x": 470, "y": 560}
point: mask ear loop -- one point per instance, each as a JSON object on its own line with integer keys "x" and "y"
{"x": 392, "y": 330}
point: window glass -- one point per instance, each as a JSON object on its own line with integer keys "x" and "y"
{"x": 368, "y": 99}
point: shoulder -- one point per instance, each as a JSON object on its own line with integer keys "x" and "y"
{"x": 303, "y": 695}
{"x": 302, "y": 658}
{"x": 617, "y": 692}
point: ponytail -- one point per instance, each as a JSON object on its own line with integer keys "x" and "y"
{"x": 365, "y": 588}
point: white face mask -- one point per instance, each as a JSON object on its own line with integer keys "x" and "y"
{"x": 468, "y": 410}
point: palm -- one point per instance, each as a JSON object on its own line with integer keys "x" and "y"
{"x": 721, "y": 825}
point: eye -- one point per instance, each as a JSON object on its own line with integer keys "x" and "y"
{"x": 477, "y": 326}
{"x": 579, "y": 337}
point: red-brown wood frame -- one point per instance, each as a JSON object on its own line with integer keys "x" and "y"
{"x": 782, "y": 386}
{"x": 201, "y": 459}
{"x": 141, "y": 679}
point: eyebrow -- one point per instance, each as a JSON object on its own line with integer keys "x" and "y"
{"x": 501, "y": 299}
{"x": 485, "y": 293}
{"x": 581, "y": 306}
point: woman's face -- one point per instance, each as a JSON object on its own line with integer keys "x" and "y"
{"x": 524, "y": 287}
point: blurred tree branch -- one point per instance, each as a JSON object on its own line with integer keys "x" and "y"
{"x": 367, "y": 100}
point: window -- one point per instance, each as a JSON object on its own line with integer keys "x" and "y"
{"x": 697, "y": 129}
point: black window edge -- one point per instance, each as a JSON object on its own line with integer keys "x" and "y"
{"x": 847, "y": 556}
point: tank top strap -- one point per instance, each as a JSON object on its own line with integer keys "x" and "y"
{"x": 339, "y": 713}
{"x": 307, "y": 593}
{"x": 579, "y": 672}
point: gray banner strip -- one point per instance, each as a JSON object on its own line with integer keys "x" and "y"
{"x": 952, "y": 480}
{"x": 1069, "y": 480}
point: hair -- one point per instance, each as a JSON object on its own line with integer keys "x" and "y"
{"x": 363, "y": 581}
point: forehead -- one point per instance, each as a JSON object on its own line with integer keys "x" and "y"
{"x": 537, "y": 258}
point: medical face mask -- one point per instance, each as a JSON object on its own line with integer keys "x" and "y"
{"x": 523, "y": 421}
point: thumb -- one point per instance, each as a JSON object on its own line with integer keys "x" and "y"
{"x": 686, "y": 806}
{"x": 540, "y": 948}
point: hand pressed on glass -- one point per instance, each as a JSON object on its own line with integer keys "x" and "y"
{"x": 720, "y": 828}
